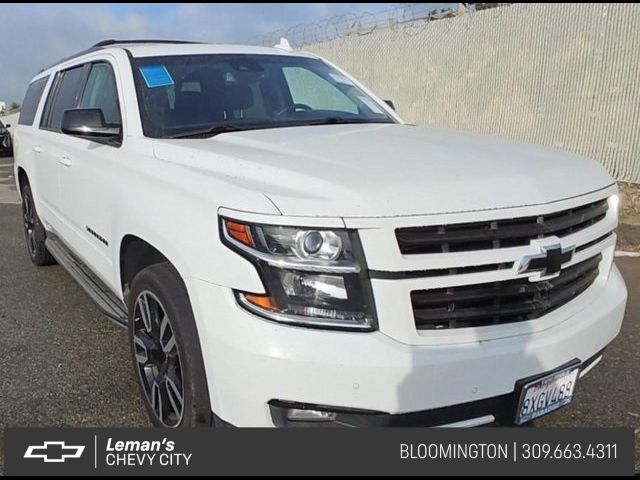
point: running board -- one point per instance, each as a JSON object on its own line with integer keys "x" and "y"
{"x": 104, "y": 298}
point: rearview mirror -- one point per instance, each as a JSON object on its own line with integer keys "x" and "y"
{"x": 88, "y": 122}
{"x": 390, "y": 104}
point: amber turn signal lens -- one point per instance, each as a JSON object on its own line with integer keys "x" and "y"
{"x": 263, "y": 301}
{"x": 240, "y": 232}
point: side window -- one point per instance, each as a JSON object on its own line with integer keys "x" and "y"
{"x": 309, "y": 89}
{"x": 101, "y": 92}
{"x": 64, "y": 96}
{"x": 31, "y": 101}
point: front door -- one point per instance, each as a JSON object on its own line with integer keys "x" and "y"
{"x": 88, "y": 177}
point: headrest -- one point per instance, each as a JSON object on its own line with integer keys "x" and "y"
{"x": 238, "y": 97}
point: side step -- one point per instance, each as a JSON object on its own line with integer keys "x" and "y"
{"x": 104, "y": 298}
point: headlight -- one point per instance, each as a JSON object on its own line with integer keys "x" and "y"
{"x": 313, "y": 277}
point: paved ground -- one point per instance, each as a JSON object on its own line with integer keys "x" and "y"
{"x": 8, "y": 192}
{"x": 62, "y": 363}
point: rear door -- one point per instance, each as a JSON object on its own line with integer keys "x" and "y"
{"x": 48, "y": 152}
{"x": 26, "y": 138}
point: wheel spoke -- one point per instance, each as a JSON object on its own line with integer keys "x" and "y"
{"x": 142, "y": 353}
{"x": 176, "y": 399}
{"x": 145, "y": 312}
{"x": 156, "y": 400}
{"x": 167, "y": 338}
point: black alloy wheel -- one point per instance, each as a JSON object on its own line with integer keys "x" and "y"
{"x": 158, "y": 359}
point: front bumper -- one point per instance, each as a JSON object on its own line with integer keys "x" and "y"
{"x": 500, "y": 410}
{"x": 251, "y": 362}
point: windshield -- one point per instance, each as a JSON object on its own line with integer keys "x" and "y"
{"x": 202, "y": 95}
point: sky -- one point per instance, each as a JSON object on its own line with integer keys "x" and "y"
{"x": 35, "y": 36}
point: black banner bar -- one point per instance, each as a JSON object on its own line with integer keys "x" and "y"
{"x": 482, "y": 451}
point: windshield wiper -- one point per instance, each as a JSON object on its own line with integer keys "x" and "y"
{"x": 210, "y": 132}
{"x": 342, "y": 121}
{"x": 217, "y": 129}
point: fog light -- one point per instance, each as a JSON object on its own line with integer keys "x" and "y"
{"x": 313, "y": 287}
{"x": 299, "y": 415}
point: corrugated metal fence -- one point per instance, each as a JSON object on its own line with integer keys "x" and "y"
{"x": 559, "y": 74}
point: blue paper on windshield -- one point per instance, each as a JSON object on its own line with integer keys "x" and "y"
{"x": 156, "y": 76}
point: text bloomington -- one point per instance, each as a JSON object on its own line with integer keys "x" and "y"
{"x": 444, "y": 451}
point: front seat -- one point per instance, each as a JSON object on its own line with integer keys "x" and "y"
{"x": 205, "y": 106}
{"x": 237, "y": 98}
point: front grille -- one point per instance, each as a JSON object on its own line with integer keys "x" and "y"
{"x": 464, "y": 237}
{"x": 500, "y": 302}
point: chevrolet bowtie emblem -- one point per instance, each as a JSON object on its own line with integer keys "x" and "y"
{"x": 54, "y": 452}
{"x": 549, "y": 262}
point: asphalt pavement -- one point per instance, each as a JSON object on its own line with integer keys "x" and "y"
{"x": 62, "y": 363}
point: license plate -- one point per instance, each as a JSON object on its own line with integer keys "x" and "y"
{"x": 546, "y": 394}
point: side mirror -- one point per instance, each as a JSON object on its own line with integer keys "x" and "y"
{"x": 390, "y": 104}
{"x": 88, "y": 122}
{"x": 8, "y": 125}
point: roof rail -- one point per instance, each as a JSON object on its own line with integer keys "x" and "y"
{"x": 71, "y": 57}
{"x": 107, "y": 43}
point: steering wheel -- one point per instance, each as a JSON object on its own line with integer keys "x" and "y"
{"x": 294, "y": 107}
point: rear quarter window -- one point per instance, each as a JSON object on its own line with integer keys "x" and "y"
{"x": 31, "y": 101}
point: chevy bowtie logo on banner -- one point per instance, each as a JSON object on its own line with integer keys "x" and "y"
{"x": 54, "y": 452}
{"x": 376, "y": 451}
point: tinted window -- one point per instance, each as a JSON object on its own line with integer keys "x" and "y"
{"x": 66, "y": 98}
{"x": 31, "y": 101}
{"x": 101, "y": 92}
{"x": 190, "y": 95}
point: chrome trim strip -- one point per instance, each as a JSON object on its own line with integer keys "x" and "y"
{"x": 588, "y": 369}
{"x": 278, "y": 262}
{"x": 472, "y": 422}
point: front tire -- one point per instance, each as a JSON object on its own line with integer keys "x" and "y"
{"x": 166, "y": 350}
{"x": 34, "y": 232}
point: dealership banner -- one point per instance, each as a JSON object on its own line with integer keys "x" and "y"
{"x": 482, "y": 451}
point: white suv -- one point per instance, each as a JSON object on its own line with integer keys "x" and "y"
{"x": 285, "y": 251}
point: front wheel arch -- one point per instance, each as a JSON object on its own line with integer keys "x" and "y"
{"x": 162, "y": 282}
{"x": 135, "y": 255}
{"x": 23, "y": 180}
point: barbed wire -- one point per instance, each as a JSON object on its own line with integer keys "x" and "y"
{"x": 410, "y": 18}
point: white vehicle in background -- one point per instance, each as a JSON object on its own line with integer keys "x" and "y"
{"x": 285, "y": 251}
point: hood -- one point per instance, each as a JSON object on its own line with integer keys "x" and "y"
{"x": 379, "y": 170}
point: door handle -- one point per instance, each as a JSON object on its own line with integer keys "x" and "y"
{"x": 37, "y": 149}
{"x": 66, "y": 161}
